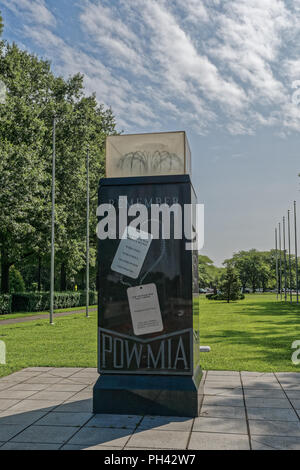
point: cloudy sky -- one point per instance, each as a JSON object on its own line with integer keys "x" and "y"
{"x": 226, "y": 71}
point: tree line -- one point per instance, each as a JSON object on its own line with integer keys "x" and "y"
{"x": 255, "y": 270}
{"x": 34, "y": 96}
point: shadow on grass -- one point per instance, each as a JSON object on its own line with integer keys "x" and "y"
{"x": 267, "y": 333}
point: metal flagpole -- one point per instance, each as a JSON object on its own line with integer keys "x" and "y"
{"x": 296, "y": 255}
{"x": 290, "y": 266}
{"x": 280, "y": 263}
{"x": 87, "y": 234}
{"x": 284, "y": 254}
{"x": 52, "y": 225}
{"x": 276, "y": 256}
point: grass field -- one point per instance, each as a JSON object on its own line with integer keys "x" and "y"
{"x": 252, "y": 334}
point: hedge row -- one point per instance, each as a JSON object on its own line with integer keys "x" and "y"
{"x": 224, "y": 297}
{"x": 40, "y": 301}
{"x": 5, "y": 304}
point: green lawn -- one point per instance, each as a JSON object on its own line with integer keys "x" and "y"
{"x": 71, "y": 341}
{"x": 252, "y": 334}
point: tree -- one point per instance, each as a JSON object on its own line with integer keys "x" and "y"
{"x": 209, "y": 275}
{"x": 230, "y": 283}
{"x": 34, "y": 96}
{"x": 203, "y": 272}
{"x": 16, "y": 282}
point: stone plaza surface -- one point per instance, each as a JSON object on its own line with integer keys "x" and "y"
{"x": 51, "y": 408}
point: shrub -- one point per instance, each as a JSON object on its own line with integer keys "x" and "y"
{"x": 5, "y": 304}
{"x": 40, "y": 301}
{"x": 224, "y": 297}
{"x": 16, "y": 282}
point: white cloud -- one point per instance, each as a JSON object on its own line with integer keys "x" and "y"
{"x": 199, "y": 64}
{"x": 34, "y": 10}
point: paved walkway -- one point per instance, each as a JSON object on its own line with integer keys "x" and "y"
{"x": 42, "y": 316}
{"x": 51, "y": 408}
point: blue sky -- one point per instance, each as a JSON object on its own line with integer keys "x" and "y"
{"x": 227, "y": 72}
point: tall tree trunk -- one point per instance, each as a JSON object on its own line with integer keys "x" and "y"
{"x": 63, "y": 277}
{"x": 4, "y": 273}
{"x": 39, "y": 273}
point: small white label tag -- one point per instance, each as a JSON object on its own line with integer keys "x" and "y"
{"x": 145, "y": 310}
{"x": 131, "y": 252}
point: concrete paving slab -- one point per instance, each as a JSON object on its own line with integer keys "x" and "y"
{"x": 29, "y": 387}
{"x": 287, "y": 374}
{"x": 275, "y": 443}
{"x": 233, "y": 412}
{"x": 83, "y": 447}
{"x": 50, "y": 395}
{"x": 46, "y": 434}
{"x": 261, "y": 379}
{"x": 226, "y": 392}
{"x": 17, "y": 394}
{"x": 220, "y": 384}
{"x": 159, "y": 439}
{"x": 259, "y": 385}
{"x": 64, "y": 419}
{"x": 33, "y": 405}
{"x": 273, "y": 414}
{"x": 267, "y": 403}
{"x": 114, "y": 421}
{"x": 232, "y": 373}
{"x": 43, "y": 379}
{"x": 27, "y": 418}
{"x": 223, "y": 401}
{"x": 253, "y": 393}
{"x": 79, "y": 406}
{"x": 290, "y": 387}
{"x": 220, "y": 425}
{"x": 230, "y": 379}
{"x": 293, "y": 394}
{"x": 29, "y": 446}
{"x": 7, "y": 431}
{"x": 66, "y": 388}
{"x": 166, "y": 423}
{"x": 246, "y": 373}
{"x": 6, "y": 403}
{"x": 20, "y": 375}
{"x": 215, "y": 441}
{"x": 289, "y": 379}
{"x": 101, "y": 436}
{"x": 5, "y": 385}
{"x": 274, "y": 428}
{"x": 63, "y": 372}
{"x": 84, "y": 395}
{"x": 295, "y": 403}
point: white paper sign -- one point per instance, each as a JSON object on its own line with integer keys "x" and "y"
{"x": 131, "y": 252}
{"x": 145, "y": 310}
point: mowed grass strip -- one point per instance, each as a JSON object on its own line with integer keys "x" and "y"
{"x": 253, "y": 334}
{"x": 70, "y": 342}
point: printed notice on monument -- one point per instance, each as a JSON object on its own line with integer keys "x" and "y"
{"x": 144, "y": 309}
{"x": 131, "y": 252}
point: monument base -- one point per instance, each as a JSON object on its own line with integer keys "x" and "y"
{"x": 148, "y": 394}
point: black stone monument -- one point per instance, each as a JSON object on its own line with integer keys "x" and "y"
{"x": 148, "y": 362}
